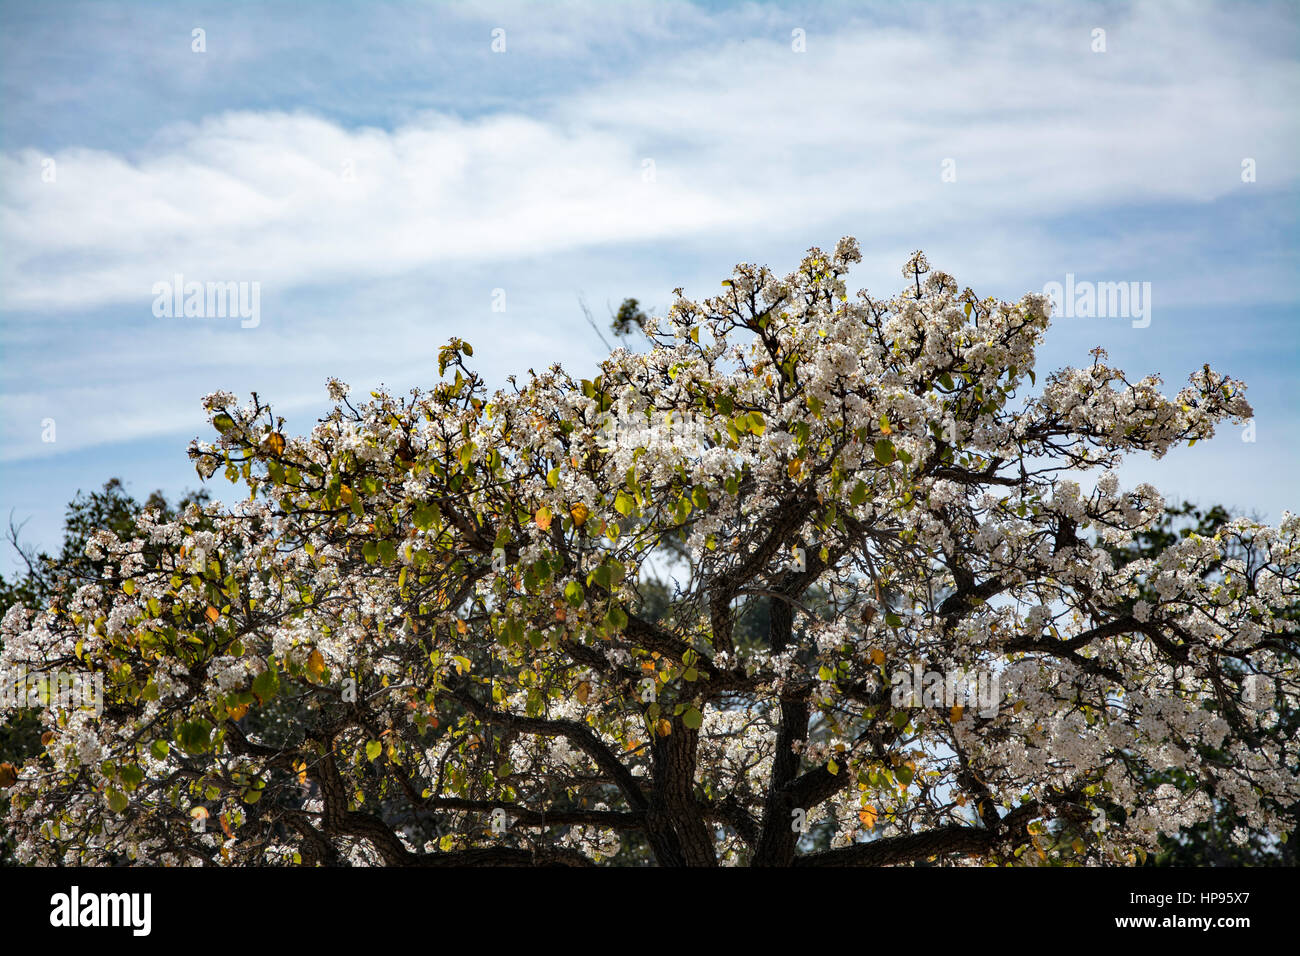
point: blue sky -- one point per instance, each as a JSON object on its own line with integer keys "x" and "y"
{"x": 380, "y": 171}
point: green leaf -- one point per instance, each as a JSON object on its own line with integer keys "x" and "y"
{"x": 131, "y": 776}
{"x": 425, "y": 515}
{"x": 117, "y": 801}
{"x": 574, "y": 594}
{"x": 601, "y": 576}
{"x": 266, "y": 684}
{"x": 195, "y": 736}
{"x": 373, "y": 749}
{"x": 859, "y": 493}
{"x": 692, "y": 718}
{"x": 884, "y": 451}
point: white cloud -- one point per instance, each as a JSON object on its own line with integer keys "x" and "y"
{"x": 759, "y": 151}
{"x": 747, "y": 135}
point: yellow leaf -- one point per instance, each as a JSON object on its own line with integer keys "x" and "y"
{"x": 212, "y": 614}
{"x": 794, "y": 468}
{"x": 8, "y": 775}
{"x": 345, "y": 495}
{"x": 664, "y": 728}
{"x": 461, "y": 627}
{"x": 956, "y": 712}
{"x": 543, "y": 518}
{"x": 199, "y": 813}
{"x": 877, "y": 656}
{"x": 868, "y": 817}
{"x": 579, "y": 512}
{"x": 316, "y": 664}
{"x": 583, "y": 692}
{"x": 275, "y": 442}
{"x": 237, "y": 713}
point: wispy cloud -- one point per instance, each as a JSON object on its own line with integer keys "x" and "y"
{"x": 750, "y": 135}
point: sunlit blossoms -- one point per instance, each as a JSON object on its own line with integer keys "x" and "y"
{"x": 429, "y": 633}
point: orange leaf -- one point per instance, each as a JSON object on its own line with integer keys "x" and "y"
{"x": 868, "y": 817}
{"x": 212, "y": 614}
{"x": 275, "y": 442}
{"x": 579, "y": 513}
{"x": 956, "y": 712}
{"x": 237, "y": 713}
{"x": 316, "y": 664}
{"x": 461, "y": 627}
{"x": 543, "y": 518}
{"x": 8, "y": 775}
{"x": 583, "y": 692}
{"x": 877, "y": 656}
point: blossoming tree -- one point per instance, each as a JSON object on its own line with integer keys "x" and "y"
{"x": 423, "y": 638}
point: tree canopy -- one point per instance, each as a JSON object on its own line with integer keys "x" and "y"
{"x": 430, "y": 634}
